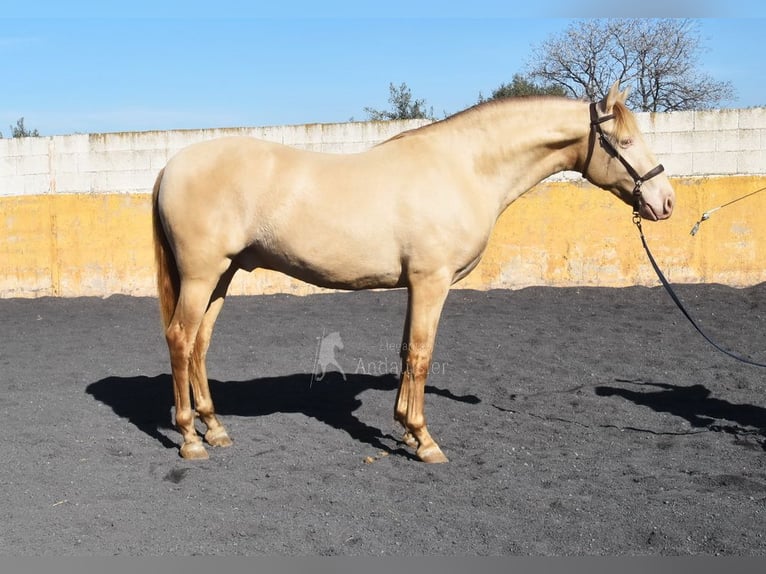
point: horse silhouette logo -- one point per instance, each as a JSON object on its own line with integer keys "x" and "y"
{"x": 325, "y": 357}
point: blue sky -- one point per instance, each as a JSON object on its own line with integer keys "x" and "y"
{"x": 80, "y": 67}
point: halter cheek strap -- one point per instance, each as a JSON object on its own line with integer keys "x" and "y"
{"x": 595, "y": 127}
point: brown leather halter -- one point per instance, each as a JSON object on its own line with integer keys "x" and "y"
{"x": 595, "y": 125}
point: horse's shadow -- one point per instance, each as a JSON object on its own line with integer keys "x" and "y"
{"x": 695, "y": 404}
{"x": 146, "y": 401}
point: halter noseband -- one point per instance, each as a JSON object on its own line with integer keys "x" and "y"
{"x": 638, "y": 180}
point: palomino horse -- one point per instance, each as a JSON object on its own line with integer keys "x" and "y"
{"x": 415, "y": 211}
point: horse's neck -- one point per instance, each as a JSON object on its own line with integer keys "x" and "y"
{"x": 517, "y": 144}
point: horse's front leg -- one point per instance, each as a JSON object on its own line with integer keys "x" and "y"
{"x": 426, "y": 299}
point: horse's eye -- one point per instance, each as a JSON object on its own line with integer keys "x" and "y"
{"x": 627, "y": 142}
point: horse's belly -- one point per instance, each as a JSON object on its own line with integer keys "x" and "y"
{"x": 332, "y": 269}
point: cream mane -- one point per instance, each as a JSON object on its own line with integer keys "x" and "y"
{"x": 625, "y": 121}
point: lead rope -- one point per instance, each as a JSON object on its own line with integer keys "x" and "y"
{"x": 707, "y": 214}
{"x": 677, "y": 301}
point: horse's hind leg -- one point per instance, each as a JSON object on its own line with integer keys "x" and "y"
{"x": 216, "y": 434}
{"x": 426, "y": 299}
{"x": 400, "y": 408}
{"x": 181, "y": 336}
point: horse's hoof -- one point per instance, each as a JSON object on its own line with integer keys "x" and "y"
{"x": 193, "y": 451}
{"x": 218, "y": 437}
{"x": 432, "y": 455}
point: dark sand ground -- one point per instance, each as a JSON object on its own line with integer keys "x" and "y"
{"x": 577, "y": 421}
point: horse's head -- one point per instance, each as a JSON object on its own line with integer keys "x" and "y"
{"x": 618, "y": 159}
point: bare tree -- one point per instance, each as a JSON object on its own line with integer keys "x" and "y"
{"x": 657, "y": 58}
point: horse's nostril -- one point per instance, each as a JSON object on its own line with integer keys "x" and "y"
{"x": 669, "y": 205}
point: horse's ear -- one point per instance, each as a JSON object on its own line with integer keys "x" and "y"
{"x": 615, "y": 95}
{"x": 624, "y": 94}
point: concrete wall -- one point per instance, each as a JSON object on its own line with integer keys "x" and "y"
{"x": 76, "y": 211}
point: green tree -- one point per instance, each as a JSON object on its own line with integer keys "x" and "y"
{"x": 20, "y": 130}
{"x": 656, "y": 58}
{"x": 403, "y": 106}
{"x": 520, "y": 87}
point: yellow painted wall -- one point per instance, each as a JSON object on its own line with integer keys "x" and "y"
{"x": 558, "y": 234}
{"x": 568, "y": 234}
